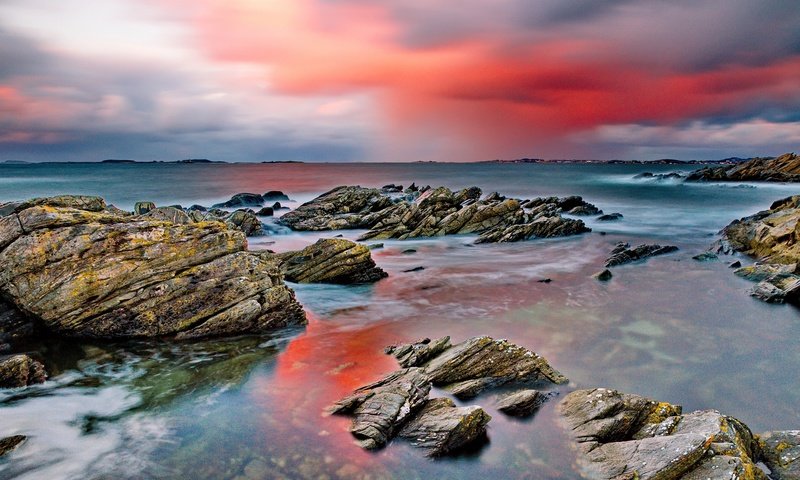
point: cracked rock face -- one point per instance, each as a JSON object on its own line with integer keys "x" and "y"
{"x": 331, "y": 260}
{"x": 623, "y": 436}
{"x": 82, "y": 269}
{"x": 398, "y": 404}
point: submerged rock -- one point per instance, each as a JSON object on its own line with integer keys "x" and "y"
{"x": 9, "y": 444}
{"x": 785, "y": 168}
{"x": 83, "y": 271}
{"x": 604, "y": 275}
{"x": 381, "y": 409}
{"x": 627, "y": 436}
{"x": 781, "y": 454}
{"x": 20, "y": 370}
{"x": 611, "y": 217}
{"x": 620, "y": 256}
{"x": 440, "y": 427}
{"x": 331, "y": 260}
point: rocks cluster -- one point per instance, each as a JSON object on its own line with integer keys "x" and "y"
{"x": 624, "y": 436}
{"x": 81, "y": 268}
{"x": 622, "y": 253}
{"x": 331, "y": 260}
{"x": 430, "y": 212}
{"x": 785, "y": 168}
{"x": 398, "y": 404}
{"x": 251, "y": 199}
{"x": 772, "y": 236}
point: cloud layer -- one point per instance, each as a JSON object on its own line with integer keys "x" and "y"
{"x": 399, "y": 80}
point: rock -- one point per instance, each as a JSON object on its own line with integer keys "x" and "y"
{"x": 331, "y": 260}
{"x": 771, "y": 235}
{"x": 544, "y": 280}
{"x": 610, "y": 217}
{"x": 785, "y": 168}
{"x": 242, "y": 200}
{"x": 543, "y": 227}
{"x": 9, "y": 444}
{"x": 779, "y": 288}
{"x": 342, "y": 207}
{"x": 392, "y": 188}
{"x": 706, "y": 257}
{"x": 375, "y": 246}
{"x": 14, "y": 326}
{"x": 781, "y": 454}
{"x": 140, "y": 208}
{"x": 603, "y": 276}
{"x": 381, "y": 408}
{"x": 64, "y": 265}
{"x": 576, "y": 205}
{"x": 198, "y": 208}
{"x": 627, "y": 436}
{"x": 440, "y": 427}
{"x": 275, "y": 195}
{"x": 169, "y": 214}
{"x": 523, "y": 403}
{"x": 20, "y": 370}
{"x": 735, "y": 264}
{"x": 627, "y": 255}
{"x": 762, "y": 271}
{"x": 277, "y": 206}
{"x": 414, "y": 354}
{"x": 266, "y": 212}
{"x": 415, "y": 269}
{"x": 409, "y": 251}
{"x": 246, "y": 221}
{"x": 659, "y": 177}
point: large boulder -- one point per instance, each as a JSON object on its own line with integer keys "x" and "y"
{"x": 81, "y": 270}
{"x": 331, "y": 260}
{"x": 623, "y": 436}
{"x": 342, "y": 207}
{"x": 785, "y": 168}
{"x": 398, "y": 403}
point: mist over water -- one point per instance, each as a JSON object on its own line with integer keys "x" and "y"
{"x": 672, "y": 328}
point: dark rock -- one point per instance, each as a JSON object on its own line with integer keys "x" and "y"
{"x": 627, "y": 255}
{"x": 266, "y": 212}
{"x": 198, "y": 208}
{"x": 246, "y": 221}
{"x": 785, "y": 168}
{"x": 781, "y": 454}
{"x": 412, "y": 188}
{"x": 706, "y": 257}
{"x": 277, "y": 206}
{"x": 603, "y": 276}
{"x": 440, "y": 427}
{"x": 576, "y": 205}
{"x": 627, "y": 436}
{"x": 9, "y": 444}
{"x": 392, "y": 188}
{"x": 140, "y": 208}
{"x": 375, "y": 246}
{"x": 660, "y": 177}
{"x": 415, "y": 269}
{"x": 523, "y": 403}
{"x": 342, "y": 207}
{"x": 610, "y": 217}
{"x": 275, "y": 195}
{"x": 242, "y": 200}
{"x": 14, "y": 326}
{"x": 545, "y": 280}
{"x": 415, "y": 354}
{"x": 331, "y": 261}
{"x": 735, "y": 264}
{"x": 63, "y": 265}
{"x": 409, "y": 251}
{"x": 381, "y": 408}
{"x": 20, "y": 370}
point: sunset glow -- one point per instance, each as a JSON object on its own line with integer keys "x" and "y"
{"x": 349, "y": 80}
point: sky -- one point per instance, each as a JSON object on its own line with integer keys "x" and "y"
{"x": 404, "y": 80}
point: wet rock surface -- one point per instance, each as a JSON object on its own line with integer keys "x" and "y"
{"x": 80, "y": 269}
{"x": 772, "y": 236}
{"x": 524, "y": 403}
{"x": 781, "y": 453}
{"x": 624, "y": 436}
{"x": 331, "y": 260}
{"x": 430, "y": 212}
{"x": 399, "y": 402}
{"x": 9, "y": 444}
{"x": 623, "y": 254}
{"x": 20, "y": 370}
{"x": 785, "y": 168}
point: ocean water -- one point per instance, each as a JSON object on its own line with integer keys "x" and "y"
{"x": 670, "y": 328}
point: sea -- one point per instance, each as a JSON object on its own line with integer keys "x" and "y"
{"x": 670, "y": 328}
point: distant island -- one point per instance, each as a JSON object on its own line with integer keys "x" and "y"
{"x": 663, "y": 161}
{"x": 187, "y": 160}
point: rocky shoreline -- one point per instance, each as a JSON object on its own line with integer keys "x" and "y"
{"x": 785, "y": 168}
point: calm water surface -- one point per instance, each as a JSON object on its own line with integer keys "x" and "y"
{"x": 670, "y": 328}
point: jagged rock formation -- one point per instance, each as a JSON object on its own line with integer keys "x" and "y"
{"x": 398, "y": 403}
{"x": 623, "y": 436}
{"x": 82, "y": 269}
{"x": 772, "y": 236}
{"x": 785, "y": 168}
{"x": 622, "y": 253}
{"x": 20, "y": 371}
{"x": 439, "y": 211}
{"x": 781, "y": 454}
{"x": 331, "y": 260}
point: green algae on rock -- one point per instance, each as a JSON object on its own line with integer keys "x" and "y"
{"x": 83, "y": 270}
